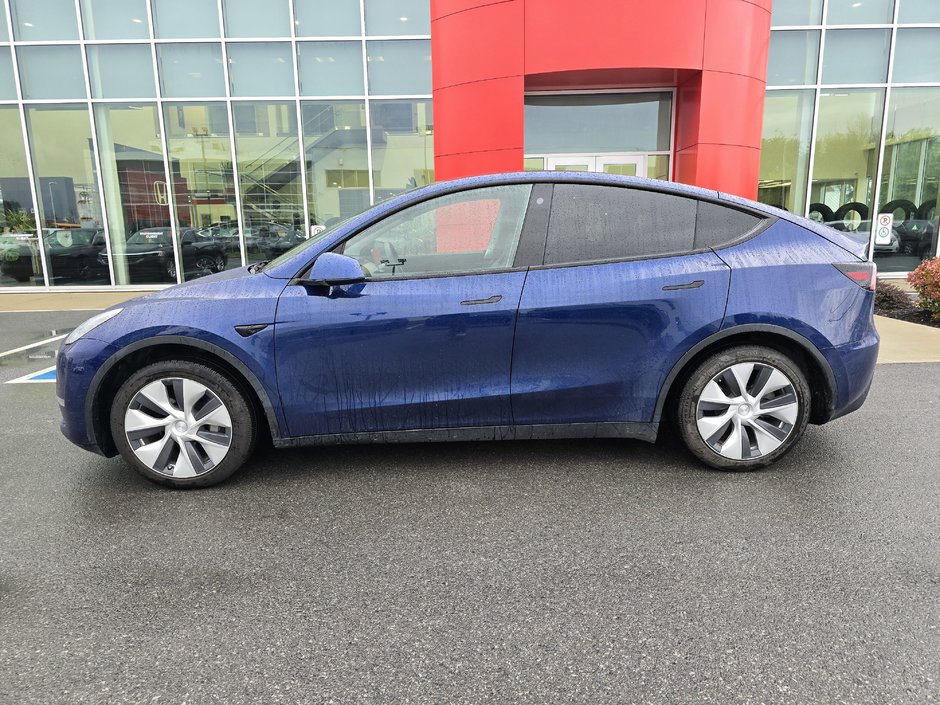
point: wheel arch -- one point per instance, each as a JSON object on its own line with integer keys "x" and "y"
{"x": 120, "y": 366}
{"x": 817, "y": 369}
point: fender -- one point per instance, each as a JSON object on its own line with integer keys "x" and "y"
{"x": 805, "y": 344}
{"x": 269, "y": 411}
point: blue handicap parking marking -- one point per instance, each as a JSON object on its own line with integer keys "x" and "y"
{"x": 47, "y": 375}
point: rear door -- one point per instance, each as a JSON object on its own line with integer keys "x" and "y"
{"x": 622, "y": 294}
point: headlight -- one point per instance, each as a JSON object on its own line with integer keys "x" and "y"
{"x": 91, "y": 324}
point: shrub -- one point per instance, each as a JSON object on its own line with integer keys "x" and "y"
{"x": 889, "y": 297}
{"x": 926, "y": 282}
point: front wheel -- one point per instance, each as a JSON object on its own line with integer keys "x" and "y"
{"x": 183, "y": 424}
{"x": 743, "y": 408}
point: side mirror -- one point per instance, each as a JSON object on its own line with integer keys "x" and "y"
{"x": 333, "y": 269}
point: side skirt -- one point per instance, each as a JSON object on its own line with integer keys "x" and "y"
{"x": 640, "y": 431}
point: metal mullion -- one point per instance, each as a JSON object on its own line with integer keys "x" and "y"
{"x": 368, "y": 99}
{"x": 879, "y": 168}
{"x": 176, "y": 232}
{"x": 96, "y": 152}
{"x": 231, "y": 138}
{"x": 815, "y": 125}
{"x": 300, "y": 123}
{"x": 31, "y": 175}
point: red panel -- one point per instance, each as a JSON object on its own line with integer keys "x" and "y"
{"x": 731, "y": 109}
{"x": 482, "y": 116}
{"x": 561, "y": 35}
{"x": 601, "y": 79}
{"x": 456, "y": 166}
{"x": 742, "y": 50}
{"x": 471, "y": 51}
{"x": 466, "y": 227}
{"x": 442, "y": 8}
{"x": 688, "y": 111}
{"x": 718, "y": 59}
{"x": 686, "y": 169}
{"x": 728, "y": 168}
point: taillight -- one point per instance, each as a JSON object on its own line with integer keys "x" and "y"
{"x": 865, "y": 274}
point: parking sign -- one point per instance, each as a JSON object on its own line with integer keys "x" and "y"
{"x": 883, "y": 229}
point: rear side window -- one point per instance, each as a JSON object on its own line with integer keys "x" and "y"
{"x": 591, "y": 223}
{"x": 718, "y": 226}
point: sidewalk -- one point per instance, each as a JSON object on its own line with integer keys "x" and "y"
{"x": 900, "y": 341}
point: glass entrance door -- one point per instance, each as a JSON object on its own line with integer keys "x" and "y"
{"x": 634, "y": 165}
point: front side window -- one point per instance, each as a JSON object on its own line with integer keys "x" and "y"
{"x": 591, "y": 223}
{"x": 471, "y": 231}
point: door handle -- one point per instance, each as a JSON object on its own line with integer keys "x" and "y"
{"x": 691, "y": 285}
{"x": 476, "y": 302}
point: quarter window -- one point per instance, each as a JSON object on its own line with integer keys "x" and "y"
{"x": 470, "y": 231}
{"x": 719, "y": 226}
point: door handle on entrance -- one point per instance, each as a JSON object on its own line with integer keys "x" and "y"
{"x": 691, "y": 285}
{"x": 476, "y": 302}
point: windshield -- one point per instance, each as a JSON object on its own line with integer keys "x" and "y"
{"x": 304, "y": 244}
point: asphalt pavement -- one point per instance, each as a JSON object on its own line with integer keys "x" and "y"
{"x": 519, "y": 572}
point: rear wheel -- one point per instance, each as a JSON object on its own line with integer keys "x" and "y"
{"x": 743, "y": 408}
{"x": 183, "y": 424}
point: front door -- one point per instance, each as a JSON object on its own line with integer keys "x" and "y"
{"x": 426, "y": 342}
{"x": 632, "y": 165}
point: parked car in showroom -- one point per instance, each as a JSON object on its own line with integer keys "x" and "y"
{"x": 916, "y": 237}
{"x": 517, "y": 306}
{"x": 19, "y": 257}
{"x": 860, "y": 231}
{"x": 149, "y": 255}
{"x": 72, "y": 254}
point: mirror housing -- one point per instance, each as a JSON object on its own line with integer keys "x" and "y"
{"x": 332, "y": 269}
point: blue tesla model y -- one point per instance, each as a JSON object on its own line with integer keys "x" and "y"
{"x": 517, "y": 306}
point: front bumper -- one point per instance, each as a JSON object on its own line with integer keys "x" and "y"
{"x": 76, "y": 365}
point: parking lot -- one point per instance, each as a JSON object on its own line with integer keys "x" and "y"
{"x": 532, "y": 572}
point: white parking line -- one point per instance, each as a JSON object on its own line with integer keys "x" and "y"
{"x": 32, "y": 345}
{"x": 31, "y": 377}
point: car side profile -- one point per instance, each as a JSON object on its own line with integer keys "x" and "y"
{"x": 514, "y": 306}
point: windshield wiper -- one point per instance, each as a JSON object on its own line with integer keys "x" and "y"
{"x": 257, "y": 266}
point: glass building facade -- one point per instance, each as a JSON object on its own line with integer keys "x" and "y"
{"x": 154, "y": 141}
{"x": 852, "y": 119}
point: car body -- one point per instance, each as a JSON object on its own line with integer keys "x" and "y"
{"x": 71, "y": 255}
{"x": 917, "y": 237}
{"x": 149, "y": 255}
{"x": 529, "y": 305}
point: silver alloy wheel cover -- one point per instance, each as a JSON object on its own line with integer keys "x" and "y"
{"x": 747, "y": 411}
{"x": 178, "y": 427}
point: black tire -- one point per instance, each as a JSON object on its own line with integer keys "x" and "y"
{"x": 205, "y": 264}
{"x": 927, "y": 208}
{"x": 910, "y": 210}
{"x": 825, "y": 212}
{"x": 853, "y": 207}
{"x": 686, "y": 411}
{"x": 243, "y": 415}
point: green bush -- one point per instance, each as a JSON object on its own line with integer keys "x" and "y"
{"x": 926, "y": 282}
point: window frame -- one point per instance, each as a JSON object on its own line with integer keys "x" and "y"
{"x": 531, "y": 235}
{"x": 765, "y": 221}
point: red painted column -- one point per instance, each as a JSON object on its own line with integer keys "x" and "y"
{"x": 714, "y": 52}
{"x": 478, "y": 76}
